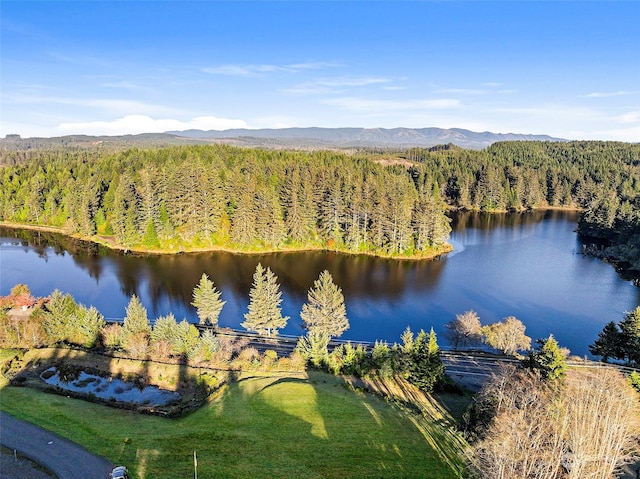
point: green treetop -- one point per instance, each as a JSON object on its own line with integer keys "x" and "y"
{"x": 549, "y": 359}
{"x": 324, "y": 310}
{"x": 206, "y": 299}
{"x": 136, "y": 320}
{"x": 426, "y": 370}
{"x": 609, "y": 342}
{"x": 265, "y": 315}
{"x": 630, "y": 333}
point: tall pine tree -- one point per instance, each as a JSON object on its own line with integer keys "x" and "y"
{"x": 630, "y": 332}
{"x": 426, "y": 370}
{"x": 206, "y": 299}
{"x": 265, "y": 315}
{"x": 609, "y": 343}
{"x": 324, "y": 310}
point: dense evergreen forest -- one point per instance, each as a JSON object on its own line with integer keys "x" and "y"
{"x": 180, "y": 198}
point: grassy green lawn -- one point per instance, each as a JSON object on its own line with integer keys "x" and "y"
{"x": 261, "y": 426}
{"x": 6, "y": 355}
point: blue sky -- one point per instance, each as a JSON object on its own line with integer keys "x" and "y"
{"x": 568, "y": 69}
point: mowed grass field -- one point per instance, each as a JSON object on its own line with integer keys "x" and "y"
{"x": 259, "y": 426}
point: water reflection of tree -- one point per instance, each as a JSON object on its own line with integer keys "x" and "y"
{"x": 45, "y": 243}
{"x": 359, "y": 277}
{"x": 463, "y": 220}
{"x": 171, "y": 278}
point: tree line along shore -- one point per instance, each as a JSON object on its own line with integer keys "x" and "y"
{"x": 194, "y": 198}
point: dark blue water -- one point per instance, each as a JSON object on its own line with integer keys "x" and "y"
{"x": 522, "y": 265}
{"x": 111, "y": 389}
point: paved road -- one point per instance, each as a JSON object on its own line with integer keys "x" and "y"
{"x": 64, "y": 458}
{"x": 472, "y": 370}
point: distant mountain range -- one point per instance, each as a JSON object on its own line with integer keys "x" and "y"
{"x": 363, "y": 137}
{"x": 287, "y": 138}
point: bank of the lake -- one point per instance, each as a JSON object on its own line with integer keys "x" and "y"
{"x": 111, "y": 243}
{"x": 527, "y": 265}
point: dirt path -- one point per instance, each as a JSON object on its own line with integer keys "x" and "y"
{"x": 65, "y": 459}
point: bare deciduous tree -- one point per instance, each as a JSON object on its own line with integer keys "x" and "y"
{"x": 602, "y": 422}
{"x": 507, "y": 336}
{"x": 465, "y": 330}
{"x": 583, "y": 428}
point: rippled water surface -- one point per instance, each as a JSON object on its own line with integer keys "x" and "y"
{"x": 523, "y": 265}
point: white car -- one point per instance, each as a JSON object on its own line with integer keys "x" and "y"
{"x": 119, "y": 472}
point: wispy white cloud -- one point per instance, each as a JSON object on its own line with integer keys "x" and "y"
{"x": 381, "y": 106}
{"x": 607, "y": 94}
{"x": 120, "y": 106}
{"x": 630, "y": 117}
{"x": 312, "y": 65}
{"x": 135, "y": 124}
{"x": 487, "y": 88}
{"x": 241, "y": 70}
{"x": 79, "y": 59}
{"x": 621, "y": 134}
{"x": 333, "y": 85}
{"x": 124, "y": 85}
{"x": 571, "y": 121}
{"x": 480, "y": 89}
{"x": 565, "y": 113}
{"x": 112, "y": 106}
{"x": 275, "y": 121}
{"x": 464, "y": 91}
{"x": 248, "y": 70}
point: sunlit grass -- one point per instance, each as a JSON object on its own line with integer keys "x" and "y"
{"x": 260, "y": 426}
{"x": 429, "y": 416}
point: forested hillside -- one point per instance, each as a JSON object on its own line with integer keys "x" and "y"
{"x": 180, "y": 198}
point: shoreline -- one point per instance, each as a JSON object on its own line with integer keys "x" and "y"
{"x": 109, "y": 243}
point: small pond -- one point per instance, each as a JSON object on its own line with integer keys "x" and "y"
{"x": 110, "y": 389}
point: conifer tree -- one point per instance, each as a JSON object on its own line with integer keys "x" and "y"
{"x": 85, "y": 326}
{"x": 324, "y": 310}
{"x": 403, "y": 353}
{"x": 136, "y": 320}
{"x": 164, "y": 328}
{"x": 186, "y": 339}
{"x": 136, "y": 328}
{"x": 609, "y": 343}
{"x": 426, "y": 369}
{"x": 314, "y": 347}
{"x": 57, "y": 322}
{"x": 549, "y": 359}
{"x": 407, "y": 341}
{"x": 206, "y": 299}
{"x": 265, "y": 315}
{"x": 630, "y": 333}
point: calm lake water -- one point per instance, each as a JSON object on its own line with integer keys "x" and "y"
{"x": 523, "y": 265}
